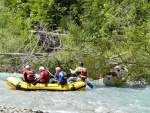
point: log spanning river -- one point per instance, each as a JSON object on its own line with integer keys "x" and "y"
{"x": 101, "y": 99}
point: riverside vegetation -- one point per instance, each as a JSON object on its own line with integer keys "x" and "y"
{"x": 100, "y": 33}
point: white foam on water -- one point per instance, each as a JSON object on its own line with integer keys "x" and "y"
{"x": 101, "y": 99}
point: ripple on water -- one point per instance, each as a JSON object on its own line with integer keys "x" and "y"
{"x": 98, "y": 100}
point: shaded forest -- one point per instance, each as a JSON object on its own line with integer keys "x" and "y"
{"x": 100, "y": 33}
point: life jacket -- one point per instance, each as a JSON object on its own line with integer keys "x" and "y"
{"x": 78, "y": 70}
{"x": 45, "y": 78}
{"x": 63, "y": 78}
{"x": 57, "y": 75}
{"x": 83, "y": 73}
{"x": 30, "y": 75}
{"x": 65, "y": 75}
{"x": 96, "y": 78}
{"x": 111, "y": 73}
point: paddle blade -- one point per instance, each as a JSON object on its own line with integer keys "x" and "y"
{"x": 90, "y": 85}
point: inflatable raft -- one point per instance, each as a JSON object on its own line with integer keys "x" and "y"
{"x": 109, "y": 80}
{"x": 18, "y": 84}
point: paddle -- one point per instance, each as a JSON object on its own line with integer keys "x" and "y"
{"x": 90, "y": 85}
{"x": 52, "y": 76}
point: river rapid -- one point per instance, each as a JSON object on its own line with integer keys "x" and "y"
{"x": 101, "y": 99}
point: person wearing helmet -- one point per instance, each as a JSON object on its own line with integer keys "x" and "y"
{"x": 119, "y": 71}
{"x": 29, "y": 75}
{"x": 27, "y": 67}
{"x": 60, "y": 76}
{"x": 80, "y": 71}
{"x": 44, "y": 76}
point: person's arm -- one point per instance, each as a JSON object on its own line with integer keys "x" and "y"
{"x": 25, "y": 76}
{"x": 72, "y": 71}
{"x": 41, "y": 76}
{"x": 77, "y": 70}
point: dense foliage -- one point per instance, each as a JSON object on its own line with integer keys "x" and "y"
{"x": 100, "y": 33}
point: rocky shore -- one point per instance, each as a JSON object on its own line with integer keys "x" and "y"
{"x": 11, "y": 109}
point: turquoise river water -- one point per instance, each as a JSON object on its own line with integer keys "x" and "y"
{"x": 101, "y": 99}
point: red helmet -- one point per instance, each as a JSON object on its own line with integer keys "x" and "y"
{"x": 58, "y": 69}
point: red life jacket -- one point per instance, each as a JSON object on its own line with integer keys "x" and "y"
{"x": 111, "y": 73}
{"x": 44, "y": 76}
{"x": 30, "y": 75}
{"x": 96, "y": 78}
{"x": 83, "y": 73}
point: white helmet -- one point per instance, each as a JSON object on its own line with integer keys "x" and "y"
{"x": 117, "y": 67}
{"x": 27, "y": 66}
{"x": 41, "y": 68}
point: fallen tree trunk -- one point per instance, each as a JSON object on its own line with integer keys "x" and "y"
{"x": 47, "y": 33}
{"x": 28, "y": 54}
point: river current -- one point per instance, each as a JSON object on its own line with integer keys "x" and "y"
{"x": 101, "y": 99}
